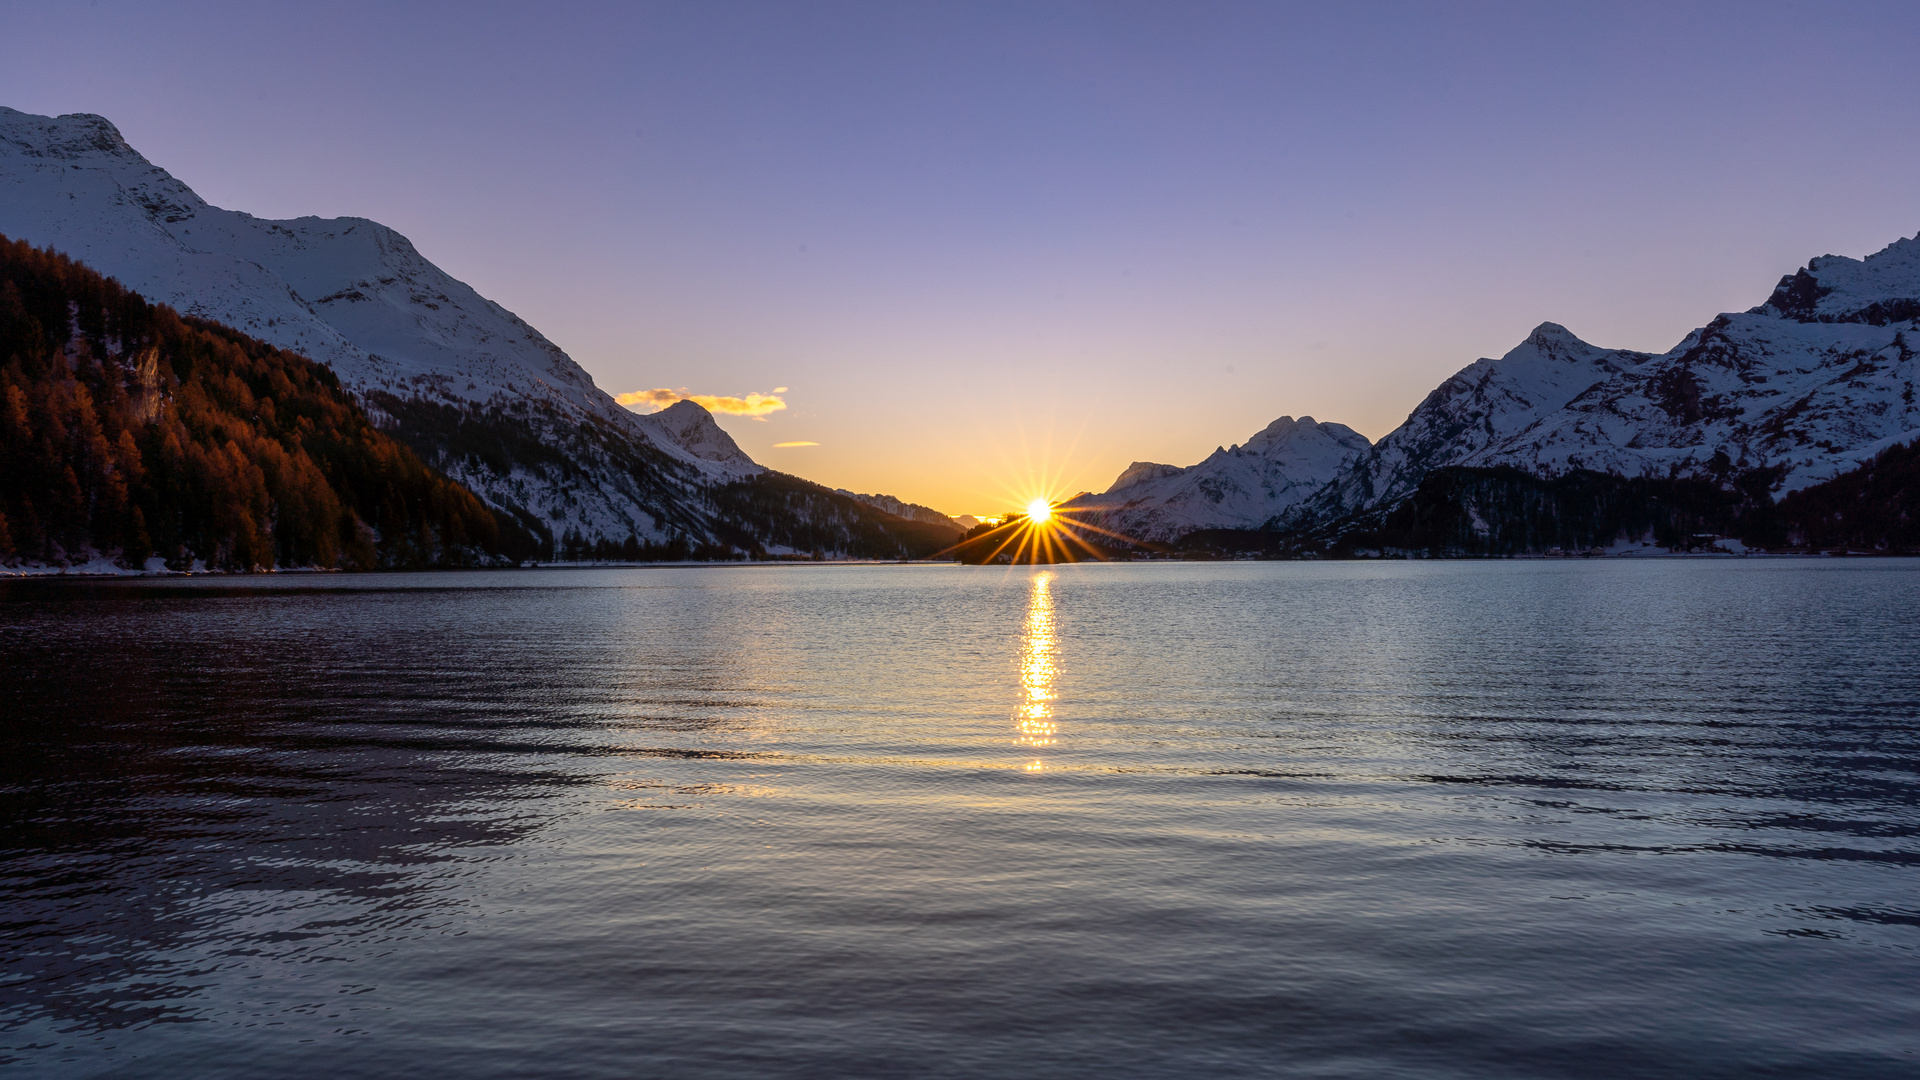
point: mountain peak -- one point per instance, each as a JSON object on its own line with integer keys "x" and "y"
{"x": 687, "y": 410}
{"x": 400, "y": 332}
{"x": 69, "y": 135}
{"x": 1141, "y": 472}
{"x": 1552, "y": 342}
{"x": 1239, "y": 488}
{"x": 689, "y": 426}
{"x": 1552, "y": 333}
{"x": 1884, "y": 287}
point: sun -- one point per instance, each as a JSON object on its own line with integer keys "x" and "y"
{"x": 1039, "y": 512}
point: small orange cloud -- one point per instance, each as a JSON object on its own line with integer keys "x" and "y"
{"x": 784, "y": 445}
{"x": 754, "y": 405}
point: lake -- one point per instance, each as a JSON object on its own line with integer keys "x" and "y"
{"x": 1587, "y": 818}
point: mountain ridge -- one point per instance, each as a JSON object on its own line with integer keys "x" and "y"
{"x": 471, "y": 387}
{"x": 1813, "y": 384}
{"x": 1232, "y": 488}
{"x": 358, "y": 297}
{"x": 1807, "y": 386}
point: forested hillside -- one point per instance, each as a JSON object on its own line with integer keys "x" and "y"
{"x": 805, "y": 516}
{"x": 129, "y": 431}
{"x": 1460, "y": 511}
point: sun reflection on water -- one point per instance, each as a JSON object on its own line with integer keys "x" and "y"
{"x": 1037, "y": 669}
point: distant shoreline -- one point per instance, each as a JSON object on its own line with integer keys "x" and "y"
{"x": 8, "y": 574}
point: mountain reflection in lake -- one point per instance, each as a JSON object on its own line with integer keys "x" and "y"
{"x": 1519, "y": 819}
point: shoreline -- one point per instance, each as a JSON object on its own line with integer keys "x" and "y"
{"x": 88, "y": 572}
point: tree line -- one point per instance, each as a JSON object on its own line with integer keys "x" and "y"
{"x": 1462, "y": 511}
{"x": 131, "y": 431}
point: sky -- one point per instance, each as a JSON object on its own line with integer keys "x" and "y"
{"x": 978, "y": 252}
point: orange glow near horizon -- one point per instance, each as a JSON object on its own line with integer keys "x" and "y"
{"x": 1044, "y": 534}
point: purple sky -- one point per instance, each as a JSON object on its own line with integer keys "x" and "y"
{"x": 990, "y": 244}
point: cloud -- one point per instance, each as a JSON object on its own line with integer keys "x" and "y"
{"x": 756, "y": 406}
{"x": 658, "y": 399}
{"x": 784, "y": 445}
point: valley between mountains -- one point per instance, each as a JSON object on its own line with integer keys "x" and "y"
{"x": 1790, "y": 426}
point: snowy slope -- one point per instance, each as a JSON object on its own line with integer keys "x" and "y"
{"x": 1483, "y": 405}
{"x": 1881, "y": 289}
{"x": 1808, "y": 385}
{"x": 357, "y": 296}
{"x": 1807, "y": 399}
{"x": 1237, "y": 488}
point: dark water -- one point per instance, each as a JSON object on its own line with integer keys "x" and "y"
{"x": 1590, "y": 819}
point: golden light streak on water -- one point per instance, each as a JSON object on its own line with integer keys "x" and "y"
{"x": 1037, "y": 669}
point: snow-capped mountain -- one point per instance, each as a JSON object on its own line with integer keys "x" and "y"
{"x": 1808, "y": 385}
{"x": 1234, "y": 488}
{"x": 1483, "y": 405}
{"x": 488, "y": 398}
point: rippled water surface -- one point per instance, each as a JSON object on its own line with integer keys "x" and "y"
{"x": 1513, "y": 819}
